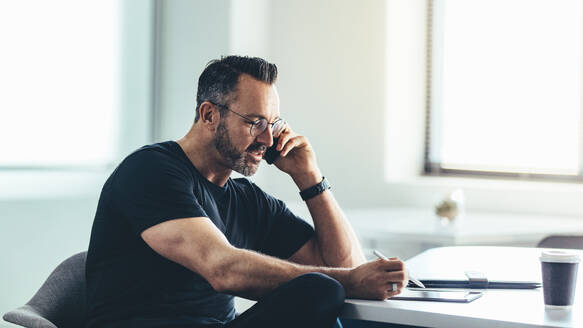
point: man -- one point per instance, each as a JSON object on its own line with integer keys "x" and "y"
{"x": 175, "y": 237}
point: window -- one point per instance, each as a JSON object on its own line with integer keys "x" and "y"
{"x": 505, "y": 88}
{"x": 59, "y": 105}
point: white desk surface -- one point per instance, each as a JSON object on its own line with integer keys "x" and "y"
{"x": 416, "y": 225}
{"x": 496, "y": 308}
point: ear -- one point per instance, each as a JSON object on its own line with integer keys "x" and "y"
{"x": 209, "y": 115}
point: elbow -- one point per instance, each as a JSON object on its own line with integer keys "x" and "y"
{"x": 221, "y": 281}
{"x": 221, "y": 275}
{"x": 219, "y": 285}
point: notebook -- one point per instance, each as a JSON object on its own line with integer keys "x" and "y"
{"x": 480, "y": 271}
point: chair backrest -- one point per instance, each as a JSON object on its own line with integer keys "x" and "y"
{"x": 62, "y": 297}
{"x": 558, "y": 241}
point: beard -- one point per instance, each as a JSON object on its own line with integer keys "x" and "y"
{"x": 236, "y": 160}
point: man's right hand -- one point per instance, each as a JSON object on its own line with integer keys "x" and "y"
{"x": 375, "y": 279}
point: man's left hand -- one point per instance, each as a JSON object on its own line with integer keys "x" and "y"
{"x": 297, "y": 158}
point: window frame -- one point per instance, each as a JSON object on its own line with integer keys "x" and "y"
{"x": 431, "y": 168}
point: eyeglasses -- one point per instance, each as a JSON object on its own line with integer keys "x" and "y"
{"x": 260, "y": 125}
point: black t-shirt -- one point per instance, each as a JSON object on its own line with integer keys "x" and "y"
{"x": 130, "y": 285}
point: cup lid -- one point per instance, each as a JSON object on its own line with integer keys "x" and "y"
{"x": 559, "y": 256}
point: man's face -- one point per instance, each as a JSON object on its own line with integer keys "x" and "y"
{"x": 240, "y": 151}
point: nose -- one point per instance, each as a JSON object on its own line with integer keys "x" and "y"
{"x": 266, "y": 137}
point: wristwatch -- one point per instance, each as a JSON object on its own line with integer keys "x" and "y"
{"x": 315, "y": 190}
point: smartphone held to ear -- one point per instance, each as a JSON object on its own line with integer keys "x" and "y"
{"x": 271, "y": 155}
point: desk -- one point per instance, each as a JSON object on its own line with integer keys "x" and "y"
{"x": 496, "y": 308}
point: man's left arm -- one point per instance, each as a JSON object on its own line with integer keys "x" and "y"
{"x": 335, "y": 243}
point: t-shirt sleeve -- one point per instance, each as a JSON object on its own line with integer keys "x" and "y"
{"x": 150, "y": 187}
{"x": 286, "y": 233}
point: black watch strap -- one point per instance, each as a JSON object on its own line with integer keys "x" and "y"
{"x": 315, "y": 190}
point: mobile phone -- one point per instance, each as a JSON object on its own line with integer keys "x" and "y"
{"x": 271, "y": 155}
{"x": 437, "y": 296}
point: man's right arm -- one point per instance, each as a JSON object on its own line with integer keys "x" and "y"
{"x": 198, "y": 245}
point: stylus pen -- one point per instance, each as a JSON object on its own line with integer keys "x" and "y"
{"x": 381, "y": 256}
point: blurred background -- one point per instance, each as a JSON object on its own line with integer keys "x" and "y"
{"x": 437, "y": 122}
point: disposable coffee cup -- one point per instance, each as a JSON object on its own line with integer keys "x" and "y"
{"x": 559, "y": 272}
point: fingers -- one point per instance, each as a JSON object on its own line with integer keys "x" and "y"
{"x": 291, "y": 144}
{"x": 288, "y": 140}
{"x": 374, "y": 280}
{"x": 390, "y": 294}
{"x": 395, "y": 276}
{"x": 284, "y": 137}
{"x": 389, "y": 291}
{"x": 394, "y": 291}
{"x": 393, "y": 264}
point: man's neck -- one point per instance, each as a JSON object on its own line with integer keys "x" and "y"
{"x": 203, "y": 155}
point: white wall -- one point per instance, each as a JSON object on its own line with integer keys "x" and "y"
{"x": 332, "y": 61}
{"x": 191, "y": 34}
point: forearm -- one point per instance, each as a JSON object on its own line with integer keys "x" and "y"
{"x": 251, "y": 275}
{"x": 338, "y": 244}
{"x": 337, "y": 241}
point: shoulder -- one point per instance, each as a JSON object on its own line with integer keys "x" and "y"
{"x": 159, "y": 152}
{"x": 153, "y": 162}
{"x": 155, "y": 155}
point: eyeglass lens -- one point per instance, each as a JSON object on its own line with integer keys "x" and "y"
{"x": 261, "y": 125}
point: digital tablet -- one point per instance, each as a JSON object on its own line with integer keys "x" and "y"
{"x": 437, "y": 296}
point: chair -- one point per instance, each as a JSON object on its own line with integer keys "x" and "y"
{"x": 60, "y": 301}
{"x": 562, "y": 241}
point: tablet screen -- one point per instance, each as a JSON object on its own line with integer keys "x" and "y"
{"x": 438, "y": 296}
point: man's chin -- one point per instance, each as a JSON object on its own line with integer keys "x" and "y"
{"x": 248, "y": 168}
{"x": 247, "y": 171}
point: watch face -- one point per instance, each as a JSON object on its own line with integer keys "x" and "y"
{"x": 325, "y": 184}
